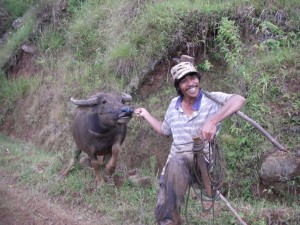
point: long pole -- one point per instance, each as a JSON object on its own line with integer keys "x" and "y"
{"x": 231, "y": 209}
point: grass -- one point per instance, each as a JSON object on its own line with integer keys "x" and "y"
{"x": 14, "y": 90}
{"x": 17, "y": 8}
{"x": 141, "y": 32}
{"x": 36, "y": 169}
{"x": 15, "y": 40}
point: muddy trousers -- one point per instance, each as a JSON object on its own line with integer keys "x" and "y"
{"x": 173, "y": 186}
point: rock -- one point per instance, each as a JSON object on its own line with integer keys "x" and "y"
{"x": 143, "y": 182}
{"x": 28, "y": 49}
{"x": 186, "y": 58}
{"x": 279, "y": 167}
{"x": 18, "y": 23}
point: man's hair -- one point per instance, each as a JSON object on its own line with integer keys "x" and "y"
{"x": 176, "y": 82}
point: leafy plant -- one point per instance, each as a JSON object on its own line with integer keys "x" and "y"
{"x": 228, "y": 40}
{"x": 206, "y": 66}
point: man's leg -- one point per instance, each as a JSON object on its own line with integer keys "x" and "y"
{"x": 173, "y": 186}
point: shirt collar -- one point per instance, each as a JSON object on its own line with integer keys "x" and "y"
{"x": 196, "y": 105}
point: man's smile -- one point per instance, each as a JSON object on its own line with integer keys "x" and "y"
{"x": 191, "y": 90}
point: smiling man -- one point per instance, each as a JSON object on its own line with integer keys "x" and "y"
{"x": 189, "y": 114}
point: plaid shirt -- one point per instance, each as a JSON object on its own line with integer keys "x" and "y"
{"x": 183, "y": 127}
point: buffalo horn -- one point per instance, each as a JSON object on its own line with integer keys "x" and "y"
{"x": 126, "y": 97}
{"x": 84, "y": 102}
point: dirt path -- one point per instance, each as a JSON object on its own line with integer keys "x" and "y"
{"x": 21, "y": 206}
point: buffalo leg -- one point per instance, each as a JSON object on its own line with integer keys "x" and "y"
{"x": 76, "y": 152}
{"x": 111, "y": 165}
{"x": 96, "y": 165}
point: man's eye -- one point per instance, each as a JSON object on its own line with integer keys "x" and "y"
{"x": 183, "y": 82}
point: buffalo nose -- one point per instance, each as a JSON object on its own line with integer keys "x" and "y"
{"x": 127, "y": 110}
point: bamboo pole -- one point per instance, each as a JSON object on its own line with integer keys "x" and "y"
{"x": 231, "y": 208}
{"x": 203, "y": 169}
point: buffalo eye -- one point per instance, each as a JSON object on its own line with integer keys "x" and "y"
{"x": 103, "y": 101}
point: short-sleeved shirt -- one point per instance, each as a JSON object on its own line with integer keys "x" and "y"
{"x": 184, "y": 127}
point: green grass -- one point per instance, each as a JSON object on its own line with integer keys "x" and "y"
{"x": 14, "y": 90}
{"x": 16, "y": 39}
{"x": 18, "y": 8}
{"x": 37, "y": 169}
{"x": 141, "y": 33}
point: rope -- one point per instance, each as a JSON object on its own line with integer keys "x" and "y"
{"x": 216, "y": 171}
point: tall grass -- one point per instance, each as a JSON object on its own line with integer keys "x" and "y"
{"x": 16, "y": 39}
{"x": 18, "y": 8}
{"x": 123, "y": 39}
{"x": 14, "y": 90}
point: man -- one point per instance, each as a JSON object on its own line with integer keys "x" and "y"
{"x": 189, "y": 114}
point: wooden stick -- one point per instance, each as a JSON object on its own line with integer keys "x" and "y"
{"x": 203, "y": 169}
{"x": 252, "y": 122}
{"x": 231, "y": 209}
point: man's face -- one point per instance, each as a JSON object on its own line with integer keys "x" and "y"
{"x": 189, "y": 86}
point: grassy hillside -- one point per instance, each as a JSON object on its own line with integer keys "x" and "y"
{"x": 247, "y": 47}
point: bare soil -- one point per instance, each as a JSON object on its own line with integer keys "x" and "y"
{"x": 19, "y": 205}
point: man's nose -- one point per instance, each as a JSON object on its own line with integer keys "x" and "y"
{"x": 190, "y": 81}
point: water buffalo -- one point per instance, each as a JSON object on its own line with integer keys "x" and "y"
{"x": 99, "y": 128}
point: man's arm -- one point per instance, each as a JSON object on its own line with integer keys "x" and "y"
{"x": 156, "y": 124}
{"x": 234, "y": 104}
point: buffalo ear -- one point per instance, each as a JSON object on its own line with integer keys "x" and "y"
{"x": 126, "y": 97}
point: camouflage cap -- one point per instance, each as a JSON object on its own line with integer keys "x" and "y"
{"x": 182, "y": 69}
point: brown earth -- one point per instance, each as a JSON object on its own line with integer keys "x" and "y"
{"x": 19, "y": 205}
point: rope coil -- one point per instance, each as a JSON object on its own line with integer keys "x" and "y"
{"x": 215, "y": 165}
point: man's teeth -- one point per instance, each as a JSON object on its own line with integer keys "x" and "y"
{"x": 192, "y": 90}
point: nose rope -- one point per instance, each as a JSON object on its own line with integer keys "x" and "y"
{"x": 127, "y": 110}
{"x": 215, "y": 165}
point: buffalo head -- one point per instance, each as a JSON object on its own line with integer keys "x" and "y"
{"x": 110, "y": 109}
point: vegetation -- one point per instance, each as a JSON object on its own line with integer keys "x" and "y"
{"x": 250, "y": 47}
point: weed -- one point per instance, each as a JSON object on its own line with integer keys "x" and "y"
{"x": 50, "y": 40}
{"x": 13, "y": 90}
{"x": 228, "y": 39}
{"x": 9, "y": 48}
{"x": 18, "y": 8}
{"x": 206, "y": 66}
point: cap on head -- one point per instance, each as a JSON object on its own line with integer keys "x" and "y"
{"x": 182, "y": 69}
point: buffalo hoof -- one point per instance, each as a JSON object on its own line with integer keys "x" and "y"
{"x": 108, "y": 179}
{"x": 99, "y": 184}
{"x": 167, "y": 222}
{"x": 110, "y": 169}
{"x": 85, "y": 162}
